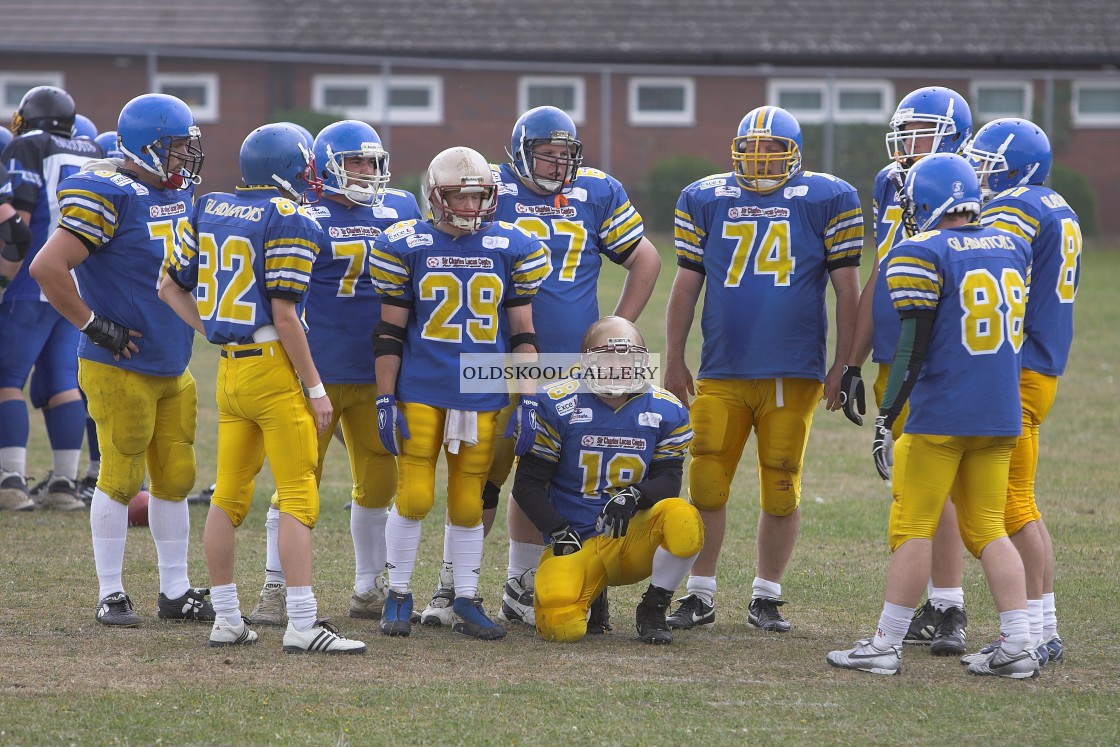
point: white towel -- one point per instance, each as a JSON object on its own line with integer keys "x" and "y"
{"x": 461, "y": 427}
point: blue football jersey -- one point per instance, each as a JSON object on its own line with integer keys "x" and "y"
{"x": 457, "y": 290}
{"x": 766, "y": 259}
{"x": 888, "y": 232}
{"x": 239, "y": 252}
{"x": 37, "y": 163}
{"x": 1049, "y": 225}
{"x": 342, "y": 306}
{"x": 593, "y": 220}
{"x": 974, "y": 279}
{"x": 132, "y": 231}
{"x": 596, "y": 447}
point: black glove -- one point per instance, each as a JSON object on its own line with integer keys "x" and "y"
{"x": 851, "y": 394}
{"x": 15, "y": 237}
{"x": 615, "y": 517}
{"x": 103, "y": 331}
{"x": 565, "y": 541}
{"x": 882, "y": 448}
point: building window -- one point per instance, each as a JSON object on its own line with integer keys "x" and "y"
{"x": 870, "y": 101}
{"x": 563, "y": 93}
{"x": 996, "y": 99}
{"x": 408, "y": 99}
{"x": 14, "y": 85}
{"x": 198, "y": 90}
{"x": 662, "y": 101}
{"x": 1096, "y": 104}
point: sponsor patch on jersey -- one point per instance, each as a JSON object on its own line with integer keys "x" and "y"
{"x": 400, "y": 230}
{"x": 709, "y": 183}
{"x": 577, "y": 194}
{"x": 420, "y": 239}
{"x": 349, "y": 232}
{"x": 627, "y": 443}
{"x": 380, "y": 211}
{"x": 164, "y": 211}
{"x": 318, "y": 211}
{"x": 120, "y": 180}
{"x": 581, "y": 415}
{"x": 799, "y": 191}
{"x": 652, "y": 419}
{"x": 545, "y": 210}
{"x": 751, "y": 211}
{"x": 726, "y": 191}
{"x": 460, "y": 263}
{"x": 140, "y": 189}
{"x": 507, "y": 189}
{"x": 565, "y": 407}
{"x": 495, "y": 242}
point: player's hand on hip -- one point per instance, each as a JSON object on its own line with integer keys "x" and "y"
{"x": 390, "y": 422}
{"x": 116, "y": 338}
{"x": 678, "y": 380}
{"x": 852, "y": 394}
{"x": 882, "y": 448}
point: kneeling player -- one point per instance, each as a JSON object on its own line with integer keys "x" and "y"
{"x": 600, "y": 483}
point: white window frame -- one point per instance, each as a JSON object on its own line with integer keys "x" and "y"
{"x": 685, "y": 118}
{"x": 775, "y": 86}
{"x": 982, "y": 117}
{"x": 30, "y": 78}
{"x": 208, "y": 112}
{"x": 578, "y": 112}
{"x": 1092, "y": 120}
{"x": 375, "y": 93}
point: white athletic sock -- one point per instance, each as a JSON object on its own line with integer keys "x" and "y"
{"x": 894, "y": 621}
{"x": 14, "y": 459}
{"x": 226, "y": 604}
{"x": 108, "y": 523}
{"x": 943, "y": 599}
{"x": 94, "y": 469}
{"x": 523, "y": 556}
{"x": 1049, "y": 616}
{"x": 302, "y": 608}
{"x": 273, "y": 569}
{"x": 402, "y": 542}
{"x": 367, "y": 529}
{"x": 669, "y": 570}
{"x": 65, "y": 462}
{"x": 446, "y": 544}
{"x": 704, "y": 587}
{"x": 170, "y": 523}
{"x": 466, "y": 558}
{"x": 765, "y": 589}
{"x": 1015, "y": 626}
{"x": 1035, "y": 615}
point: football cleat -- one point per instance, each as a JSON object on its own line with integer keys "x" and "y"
{"x": 368, "y": 606}
{"x": 922, "y": 625}
{"x": 867, "y": 657}
{"x": 272, "y": 606}
{"x": 471, "y": 620}
{"x": 517, "y": 600}
{"x": 86, "y": 486}
{"x": 396, "y": 615}
{"x": 14, "y": 495}
{"x": 949, "y": 634}
{"x": 193, "y": 605}
{"x": 692, "y": 612}
{"x": 202, "y": 497}
{"x": 438, "y": 613}
{"x": 225, "y": 633}
{"x": 763, "y": 614}
{"x": 59, "y": 494}
{"x": 320, "y": 638}
{"x": 983, "y": 653}
{"x": 116, "y": 609}
{"x": 1055, "y": 649}
{"x": 599, "y": 616}
{"x": 1043, "y": 655}
{"x": 650, "y": 616}
{"x": 1020, "y": 666}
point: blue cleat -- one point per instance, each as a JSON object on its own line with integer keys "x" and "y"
{"x": 396, "y": 616}
{"x": 471, "y": 619}
{"x": 1055, "y": 649}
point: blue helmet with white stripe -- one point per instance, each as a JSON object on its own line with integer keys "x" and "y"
{"x": 1008, "y": 153}
{"x": 936, "y": 186}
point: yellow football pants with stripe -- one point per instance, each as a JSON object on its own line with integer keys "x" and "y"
{"x": 374, "y": 470}
{"x": 1037, "y": 392}
{"x": 723, "y": 415}
{"x": 928, "y": 468}
{"x": 880, "y": 389}
{"x": 566, "y": 586}
{"x": 142, "y": 420}
{"x": 262, "y": 412}
{"x": 503, "y": 448}
{"x": 466, "y": 471}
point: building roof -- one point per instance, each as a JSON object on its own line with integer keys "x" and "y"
{"x": 948, "y": 33}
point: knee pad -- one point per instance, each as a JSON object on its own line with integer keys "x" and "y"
{"x": 709, "y": 426}
{"x": 561, "y": 625}
{"x": 683, "y": 529}
{"x": 177, "y": 474}
{"x": 780, "y": 493}
{"x": 491, "y": 493}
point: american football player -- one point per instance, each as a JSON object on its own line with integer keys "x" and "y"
{"x": 928, "y": 120}
{"x": 961, "y": 294}
{"x": 118, "y": 230}
{"x": 768, "y": 237}
{"x": 242, "y": 269}
{"x": 32, "y": 333}
{"x": 1012, "y": 158}
{"x": 455, "y": 283}
{"x": 601, "y": 485}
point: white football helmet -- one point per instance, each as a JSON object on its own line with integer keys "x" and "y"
{"x": 615, "y": 359}
{"x": 460, "y": 171}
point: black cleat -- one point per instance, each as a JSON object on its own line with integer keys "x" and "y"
{"x": 193, "y": 605}
{"x": 763, "y": 614}
{"x": 949, "y": 635}
{"x": 599, "y": 622}
{"x": 922, "y": 625}
{"x": 650, "y": 616}
{"x": 116, "y": 609}
{"x": 692, "y": 612}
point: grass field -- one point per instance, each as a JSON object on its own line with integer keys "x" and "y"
{"x": 65, "y": 679}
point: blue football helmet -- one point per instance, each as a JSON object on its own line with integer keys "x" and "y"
{"x": 1009, "y": 153}
{"x": 147, "y": 131}
{"x": 351, "y": 139}
{"x": 936, "y": 186}
{"x": 546, "y": 125}
{"x": 109, "y": 145}
{"x": 308, "y": 138}
{"x": 946, "y": 119}
{"x": 763, "y": 168}
{"x": 6, "y": 137}
{"x": 84, "y": 127}
{"x": 46, "y": 108}
{"x": 275, "y": 156}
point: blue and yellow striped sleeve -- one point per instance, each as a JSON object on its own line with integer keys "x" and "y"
{"x": 914, "y": 283}
{"x": 674, "y": 444}
{"x": 688, "y": 238}
{"x": 390, "y": 273}
{"x": 528, "y": 273}
{"x": 1011, "y": 219}
{"x": 547, "y": 443}
{"x": 290, "y": 249}
{"x": 90, "y": 216}
{"x": 183, "y": 266}
{"x": 843, "y": 239}
{"x": 621, "y": 232}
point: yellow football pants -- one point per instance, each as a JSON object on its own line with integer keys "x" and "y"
{"x": 503, "y": 448}
{"x": 1037, "y": 392}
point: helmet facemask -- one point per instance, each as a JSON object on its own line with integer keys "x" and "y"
{"x": 615, "y": 369}
{"x": 994, "y": 172}
{"x": 902, "y": 143}
{"x": 754, "y": 165}
{"x": 155, "y": 158}
{"x": 464, "y": 218}
{"x": 313, "y": 185}
{"x": 554, "y": 180}
{"x": 360, "y": 188}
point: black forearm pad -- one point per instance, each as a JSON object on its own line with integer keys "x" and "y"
{"x": 530, "y": 490}
{"x": 387, "y": 346}
{"x": 389, "y": 330}
{"x": 524, "y": 338}
{"x": 16, "y": 238}
{"x": 662, "y": 481}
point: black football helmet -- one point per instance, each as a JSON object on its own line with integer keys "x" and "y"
{"x": 45, "y": 108}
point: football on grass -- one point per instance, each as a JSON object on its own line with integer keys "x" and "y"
{"x": 138, "y": 510}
